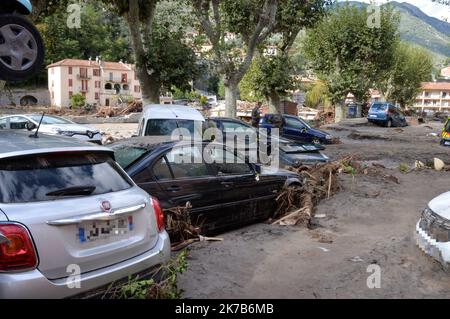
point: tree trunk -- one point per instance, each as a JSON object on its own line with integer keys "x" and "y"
{"x": 150, "y": 83}
{"x": 275, "y": 103}
{"x": 231, "y": 91}
{"x": 339, "y": 112}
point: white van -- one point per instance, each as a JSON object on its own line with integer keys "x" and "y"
{"x": 164, "y": 119}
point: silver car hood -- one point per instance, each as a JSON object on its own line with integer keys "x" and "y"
{"x": 440, "y": 205}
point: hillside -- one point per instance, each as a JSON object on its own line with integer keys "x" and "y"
{"x": 420, "y": 29}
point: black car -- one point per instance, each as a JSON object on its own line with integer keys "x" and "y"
{"x": 291, "y": 153}
{"x": 223, "y": 190}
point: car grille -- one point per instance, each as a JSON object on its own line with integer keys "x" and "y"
{"x": 432, "y": 224}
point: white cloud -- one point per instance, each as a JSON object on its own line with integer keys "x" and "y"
{"x": 429, "y": 7}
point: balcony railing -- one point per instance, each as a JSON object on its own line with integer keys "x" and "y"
{"x": 83, "y": 77}
{"x": 116, "y": 80}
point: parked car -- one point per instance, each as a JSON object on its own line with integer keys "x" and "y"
{"x": 433, "y": 229}
{"x": 51, "y": 125}
{"x": 223, "y": 194}
{"x": 67, "y": 206}
{"x": 445, "y": 135}
{"x": 294, "y": 128}
{"x": 291, "y": 153}
{"x": 164, "y": 119}
{"x": 386, "y": 114}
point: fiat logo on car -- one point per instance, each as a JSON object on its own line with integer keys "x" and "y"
{"x": 106, "y": 206}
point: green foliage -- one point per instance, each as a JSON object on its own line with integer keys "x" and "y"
{"x": 101, "y": 33}
{"x": 149, "y": 289}
{"x": 77, "y": 101}
{"x": 170, "y": 59}
{"x": 403, "y": 168}
{"x": 348, "y": 54}
{"x": 317, "y": 95}
{"x": 412, "y": 65}
{"x": 267, "y": 75}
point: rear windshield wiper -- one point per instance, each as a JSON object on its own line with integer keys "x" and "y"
{"x": 73, "y": 191}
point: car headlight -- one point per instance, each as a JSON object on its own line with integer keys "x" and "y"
{"x": 329, "y": 137}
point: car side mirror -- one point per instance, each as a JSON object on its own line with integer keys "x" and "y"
{"x": 30, "y": 126}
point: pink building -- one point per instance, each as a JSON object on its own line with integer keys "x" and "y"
{"x": 102, "y": 83}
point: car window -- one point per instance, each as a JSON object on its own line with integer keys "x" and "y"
{"x": 187, "y": 162}
{"x": 227, "y": 163}
{"x": 30, "y": 179}
{"x": 378, "y": 107}
{"x": 18, "y": 123}
{"x": 165, "y": 127}
{"x": 238, "y": 127}
{"x": 3, "y": 124}
{"x": 127, "y": 155}
{"x": 49, "y": 119}
{"x": 294, "y": 123}
{"x": 161, "y": 170}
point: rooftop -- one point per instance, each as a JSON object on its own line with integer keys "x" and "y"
{"x": 119, "y": 66}
{"x": 436, "y": 86}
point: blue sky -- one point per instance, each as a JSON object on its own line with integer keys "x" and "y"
{"x": 431, "y": 8}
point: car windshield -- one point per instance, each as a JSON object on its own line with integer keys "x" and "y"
{"x": 34, "y": 178}
{"x": 127, "y": 155}
{"x": 378, "y": 107}
{"x": 165, "y": 127}
{"x": 49, "y": 119}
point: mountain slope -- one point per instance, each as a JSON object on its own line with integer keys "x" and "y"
{"x": 420, "y": 29}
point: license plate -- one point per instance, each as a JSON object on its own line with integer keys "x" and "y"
{"x": 446, "y": 143}
{"x": 96, "y": 230}
{"x": 372, "y": 116}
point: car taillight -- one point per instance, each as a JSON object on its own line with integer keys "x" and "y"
{"x": 160, "y": 220}
{"x": 16, "y": 250}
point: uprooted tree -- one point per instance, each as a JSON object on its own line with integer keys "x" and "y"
{"x": 234, "y": 29}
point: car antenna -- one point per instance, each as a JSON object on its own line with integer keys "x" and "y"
{"x": 35, "y": 135}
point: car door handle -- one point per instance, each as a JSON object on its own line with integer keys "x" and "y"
{"x": 173, "y": 188}
{"x": 227, "y": 184}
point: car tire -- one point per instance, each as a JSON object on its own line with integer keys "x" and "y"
{"x": 316, "y": 140}
{"x": 7, "y": 71}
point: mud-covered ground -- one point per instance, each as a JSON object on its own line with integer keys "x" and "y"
{"x": 371, "y": 221}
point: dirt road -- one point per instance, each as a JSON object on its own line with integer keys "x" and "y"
{"x": 371, "y": 221}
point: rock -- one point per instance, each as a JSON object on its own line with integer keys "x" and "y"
{"x": 418, "y": 165}
{"x": 438, "y": 164}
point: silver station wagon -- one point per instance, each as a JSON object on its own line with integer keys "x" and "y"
{"x": 71, "y": 220}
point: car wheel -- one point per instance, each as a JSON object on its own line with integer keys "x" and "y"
{"x": 22, "y": 54}
{"x": 316, "y": 140}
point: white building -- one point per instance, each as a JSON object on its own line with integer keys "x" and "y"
{"x": 102, "y": 83}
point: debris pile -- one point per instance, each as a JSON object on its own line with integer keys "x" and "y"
{"x": 319, "y": 182}
{"x": 326, "y": 117}
{"x": 181, "y": 230}
{"x": 113, "y": 111}
{"x": 296, "y": 204}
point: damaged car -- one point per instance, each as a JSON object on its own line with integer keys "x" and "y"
{"x": 223, "y": 190}
{"x": 291, "y": 153}
{"x": 433, "y": 230}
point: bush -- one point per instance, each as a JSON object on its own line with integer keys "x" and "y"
{"x": 77, "y": 101}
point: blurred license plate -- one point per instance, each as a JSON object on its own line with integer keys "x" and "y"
{"x": 447, "y": 143}
{"x": 95, "y": 230}
{"x": 373, "y": 116}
